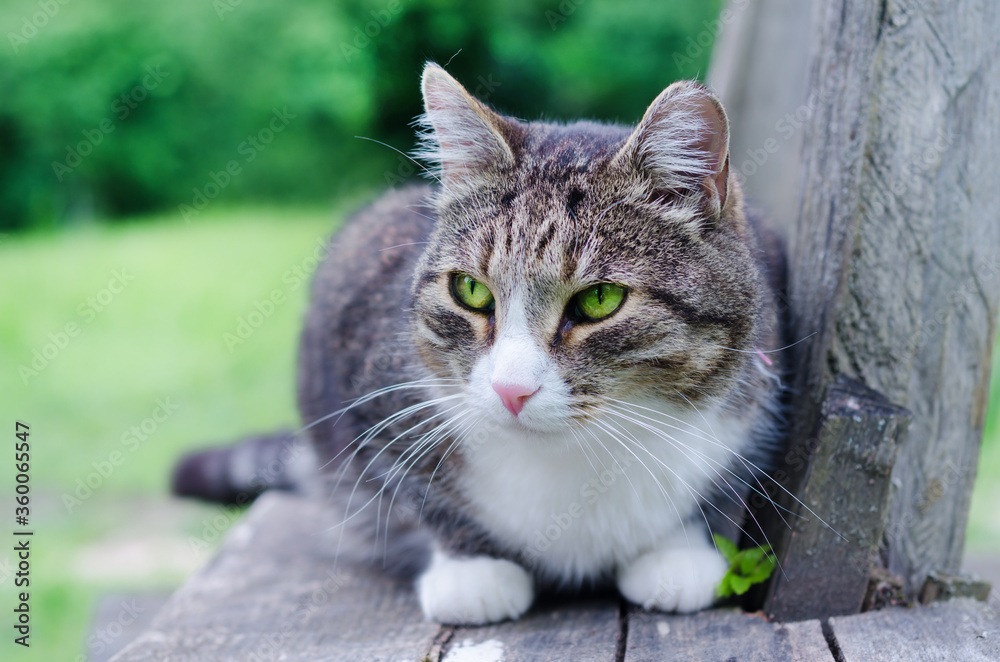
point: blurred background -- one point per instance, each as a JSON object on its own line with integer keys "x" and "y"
{"x": 167, "y": 168}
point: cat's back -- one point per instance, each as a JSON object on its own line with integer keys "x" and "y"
{"x": 373, "y": 244}
{"x": 352, "y": 335}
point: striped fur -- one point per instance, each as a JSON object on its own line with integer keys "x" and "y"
{"x": 398, "y": 382}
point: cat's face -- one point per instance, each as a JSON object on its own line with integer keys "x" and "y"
{"x": 577, "y": 266}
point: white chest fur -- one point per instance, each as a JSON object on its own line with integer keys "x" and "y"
{"x": 595, "y": 500}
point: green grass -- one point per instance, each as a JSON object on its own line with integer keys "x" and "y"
{"x": 162, "y": 339}
{"x": 984, "y": 520}
{"x": 159, "y": 340}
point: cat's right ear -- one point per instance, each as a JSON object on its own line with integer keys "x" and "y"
{"x": 462, "y": 136}
{"x": 681, "y": 147}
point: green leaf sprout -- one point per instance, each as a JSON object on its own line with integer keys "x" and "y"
{"x": 746, "y": 567}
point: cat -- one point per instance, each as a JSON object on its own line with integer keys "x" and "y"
{"x": 553, "y": 369}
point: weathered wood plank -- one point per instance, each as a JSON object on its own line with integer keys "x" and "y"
{"x": 942, "y": 586}
{"x": 825, "y": 561}
{"x": 275, "y": 592}
{"x": 586, "y": 632}
{"x": 962, "y": 629}
{"x": 894, "y": 276}
{"x": 720, "y": 635}
{"x": 119, "y": 619}
{"x": 760, "y": 68}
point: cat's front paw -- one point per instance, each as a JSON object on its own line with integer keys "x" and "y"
{"x": 681, "y": 580}
{"x": 473, "y": 590}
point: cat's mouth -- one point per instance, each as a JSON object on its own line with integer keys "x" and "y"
{"x": 538, "y": 425}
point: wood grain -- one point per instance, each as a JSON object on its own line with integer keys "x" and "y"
{"x": 760, "y": 68}
{"x": 585, "y": 632}
{"x": 895, "y": 271}
{"x": 722, "y": 635}
{"x": 962, "y": 629}
{"x": 274, "y": 591}
{"x": 834, "y": 534}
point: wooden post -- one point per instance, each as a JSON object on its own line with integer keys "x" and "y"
{"x": 895, "y": 268}
{"x": 833, "y": 538}
{"x": 760, "y": 68}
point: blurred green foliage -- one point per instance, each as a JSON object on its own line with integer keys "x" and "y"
{"x": 112, "y": 107}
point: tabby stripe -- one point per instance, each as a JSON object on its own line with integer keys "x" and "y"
{"x": 486, "y": 256}
{"x": 569, "y": 261}
{"x": 450, "y": 326}
{"x": 546, "y": 238}
{"x": 425, "y": 279}
{"x": 616, "y": 341}
{"x": 692, "y": 315}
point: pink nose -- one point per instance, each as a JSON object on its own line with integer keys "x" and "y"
{"x": 515, "y": 395}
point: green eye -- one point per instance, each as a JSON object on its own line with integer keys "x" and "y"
{"x": 599, "y": 301}
{"x": 471, "y": 294}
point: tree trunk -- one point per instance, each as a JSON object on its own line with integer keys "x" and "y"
{"x": 895, "y": 263}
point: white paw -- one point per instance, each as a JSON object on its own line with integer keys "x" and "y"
{"x": 681, "y": 580}
{"x": 473, "y": 590}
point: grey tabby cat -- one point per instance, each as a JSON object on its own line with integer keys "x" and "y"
{"x": 550, "y": 370}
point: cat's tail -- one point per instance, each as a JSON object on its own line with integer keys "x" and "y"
{"x": 237, "y": 473}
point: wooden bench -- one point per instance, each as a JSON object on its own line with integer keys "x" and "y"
{"x": 882, "y": 119}
{"x": 276, "y": 592}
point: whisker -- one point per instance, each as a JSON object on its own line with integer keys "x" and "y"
{"x": 412, "y": 243}
{"x": 428, "y": 442}
{"x": 659, "y": 485}
{"x": 752, "y": 465}
{"x": 691, "y": 491}
{"x": 361, "y": 441}
{"x": 419, "y": 383}
{"x": 763, "y": 351}
{"x": 459, "y": 435}
{"x": 754, "y": 474}
{"x": 735, "y": 454}
{"x": 685, "y": 450}
{"x": 700, "y": 433}
{"x": 427, "y": 171}
{"x": 384, "y": 448}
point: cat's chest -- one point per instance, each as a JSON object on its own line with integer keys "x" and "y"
{"x": 599, "y": 498}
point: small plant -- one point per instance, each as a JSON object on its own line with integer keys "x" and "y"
{"x": 746, "y": 567}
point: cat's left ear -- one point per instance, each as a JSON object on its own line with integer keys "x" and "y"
{"x": 681, "y": 146}
{"x": 465, "y": 138}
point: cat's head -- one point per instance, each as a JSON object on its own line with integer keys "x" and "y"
{"x": 577, "y": 265}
